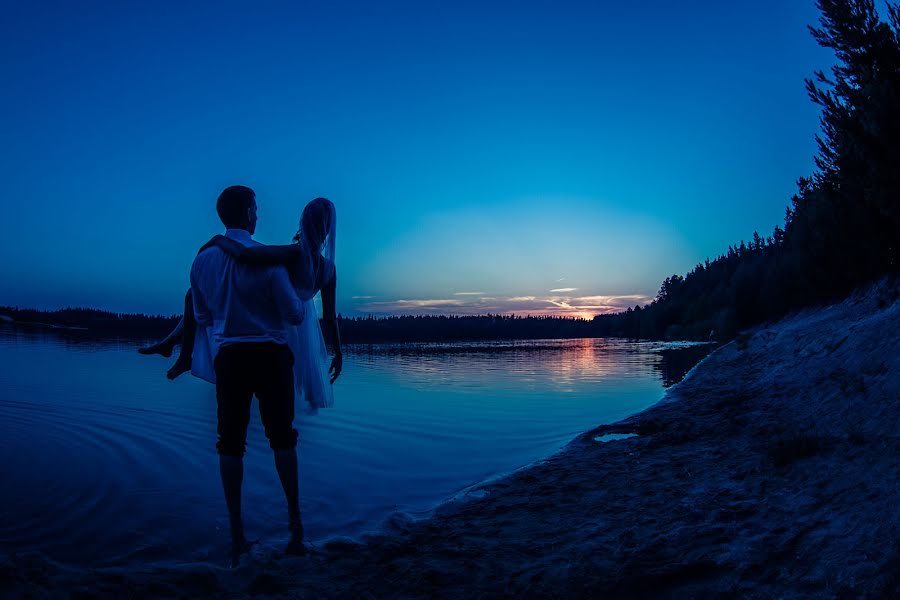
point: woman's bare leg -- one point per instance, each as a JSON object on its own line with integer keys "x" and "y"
{"x": 183, "y": 362}
{"x": 167, "y": 344}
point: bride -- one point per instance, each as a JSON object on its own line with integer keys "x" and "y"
{"x": 310, "y": 264}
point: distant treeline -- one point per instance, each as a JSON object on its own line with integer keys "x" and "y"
{"x": 94, "y": 322}
{"x": 459, "y": 328}
{"x": 842, "y": 229}
{"x": 357, "y": 330}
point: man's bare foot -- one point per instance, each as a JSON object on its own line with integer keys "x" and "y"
{"x": 237, "y": 550}
{"x": 162, "y": 348}
{"x": 296, "y": 547}
{"x": 180, "y": 367}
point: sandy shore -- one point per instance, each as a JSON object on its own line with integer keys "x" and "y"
{"x": 772, "y": 470}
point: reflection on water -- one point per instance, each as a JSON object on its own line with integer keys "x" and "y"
{"x": 676, "y": 361}
{"x": 106, "y": 461}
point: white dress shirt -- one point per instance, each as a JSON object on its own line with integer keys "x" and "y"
{"x": 236, "y": 303}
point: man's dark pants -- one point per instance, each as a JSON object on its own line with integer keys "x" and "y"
{"x": 247, "y": 369}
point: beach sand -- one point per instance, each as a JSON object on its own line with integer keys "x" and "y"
{"x": 772, "y": 470}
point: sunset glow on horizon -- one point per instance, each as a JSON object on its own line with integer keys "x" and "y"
{"x": 583, "y": 307}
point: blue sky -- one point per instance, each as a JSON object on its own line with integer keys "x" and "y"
{"x": 554, "y": 157}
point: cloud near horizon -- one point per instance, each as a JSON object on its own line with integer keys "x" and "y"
{"x": 556, "y": 305}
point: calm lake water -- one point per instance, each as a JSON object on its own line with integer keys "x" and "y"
{"x": 104, "y": 461}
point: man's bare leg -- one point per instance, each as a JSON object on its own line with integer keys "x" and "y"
{"x": 231, "y": 469}
{"x": 286, "y": 465}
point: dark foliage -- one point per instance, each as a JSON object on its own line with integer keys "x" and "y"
{"x": 361, "y": 330}
{"x": 459, "y": 328}
{"x": 843, "y": 226}
{"x": 96, "y": 322}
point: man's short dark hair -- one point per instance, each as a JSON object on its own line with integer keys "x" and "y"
{"x": 233, "y": 204}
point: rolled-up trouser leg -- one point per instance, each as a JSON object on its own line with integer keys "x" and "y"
{"x": 275, "y": 391}
{"x": 234, "y": 393}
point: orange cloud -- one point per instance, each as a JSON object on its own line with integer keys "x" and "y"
{"x": 585, "y": 307}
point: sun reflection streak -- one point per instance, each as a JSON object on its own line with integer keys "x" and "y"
{"x": 563, "y": 363}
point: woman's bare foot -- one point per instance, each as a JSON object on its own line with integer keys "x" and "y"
{"x": 164, "y": 348}
{"x": 181, "y": 366}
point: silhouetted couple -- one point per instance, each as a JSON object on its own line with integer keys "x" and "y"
{"x": 250, "y": 328}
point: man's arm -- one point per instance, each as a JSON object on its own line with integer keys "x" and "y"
{"x": 286, "y": 299}
{"x": 201, "y": 309}
{"x": 257, "y": 255}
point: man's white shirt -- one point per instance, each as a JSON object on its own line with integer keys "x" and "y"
{"x": 242, "y": 303}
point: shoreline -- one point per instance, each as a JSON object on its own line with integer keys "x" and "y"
{"x": 770, "y": 470}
